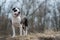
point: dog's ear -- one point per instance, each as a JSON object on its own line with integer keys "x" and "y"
{"x": 13, "y": 9}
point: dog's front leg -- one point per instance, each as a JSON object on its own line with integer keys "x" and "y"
{"x": 20, "y": 30}
{"x": 13, "y": 29}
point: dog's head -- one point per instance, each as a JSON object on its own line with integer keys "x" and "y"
{"x": 16, "y": 11}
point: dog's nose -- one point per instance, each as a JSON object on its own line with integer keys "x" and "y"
{"x": 15, "y": 14}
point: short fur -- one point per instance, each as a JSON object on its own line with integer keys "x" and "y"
{"x": 20, "y": 21}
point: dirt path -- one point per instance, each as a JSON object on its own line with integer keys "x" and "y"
{"x": 36, "y": 36}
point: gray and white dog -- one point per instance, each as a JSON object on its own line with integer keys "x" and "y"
{"x": 20, "y": 21}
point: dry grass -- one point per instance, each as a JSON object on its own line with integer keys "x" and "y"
{"x": 36, "y": 36}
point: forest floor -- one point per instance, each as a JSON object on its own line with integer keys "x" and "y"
{"x": 47, "y": 35}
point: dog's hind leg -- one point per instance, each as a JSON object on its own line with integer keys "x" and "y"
{"x": 26, "y": 31}
{"x": 23, "y": 32}
{"x": 13, "y": 29}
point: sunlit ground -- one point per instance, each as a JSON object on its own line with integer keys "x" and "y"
{"x": 47, "y": 35}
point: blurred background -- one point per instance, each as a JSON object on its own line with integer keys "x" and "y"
{"x": 42, "y": 15}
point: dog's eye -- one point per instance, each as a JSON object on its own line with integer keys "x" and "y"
{"x": 15, "y": 10}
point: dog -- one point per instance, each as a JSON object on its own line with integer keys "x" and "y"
{"x": 20, "y": 21}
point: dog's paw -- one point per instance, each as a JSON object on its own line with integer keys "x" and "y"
{"x": 13, "y": 36}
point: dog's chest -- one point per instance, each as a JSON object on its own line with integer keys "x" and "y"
{"x": 16, "y": 20}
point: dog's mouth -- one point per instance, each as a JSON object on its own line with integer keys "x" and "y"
{"x": 16, "y": 14}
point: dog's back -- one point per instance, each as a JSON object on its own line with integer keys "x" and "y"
{"x": 24, "y": 20}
